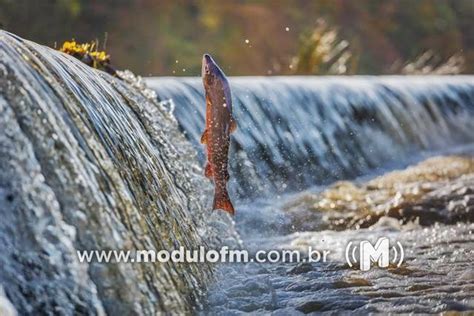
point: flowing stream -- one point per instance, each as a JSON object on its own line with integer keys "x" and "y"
{"x": 295, "y": 132}
{"x": 297, "y": 135}
{"x": 94, "y": 162}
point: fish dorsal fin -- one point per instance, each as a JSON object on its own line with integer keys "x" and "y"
{"x": 204, "y": 137}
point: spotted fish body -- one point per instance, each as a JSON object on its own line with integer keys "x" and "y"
{"x": 219, "y": 125}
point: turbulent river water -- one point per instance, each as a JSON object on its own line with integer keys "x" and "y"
{"x": 296, "y": 136}
{"x": 94, "y": 162}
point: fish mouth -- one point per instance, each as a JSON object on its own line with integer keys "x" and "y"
{"x": 206, "y": 58}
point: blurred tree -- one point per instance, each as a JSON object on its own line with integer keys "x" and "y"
{"x": 248, "y": 37}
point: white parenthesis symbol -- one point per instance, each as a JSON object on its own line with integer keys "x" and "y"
{"x": 348, "y": 247}
{"x": 402, "y": 254}
{"x": 353, "y": 254}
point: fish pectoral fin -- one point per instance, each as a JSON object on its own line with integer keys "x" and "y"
{"x": 233, "y": 125}
{"x": 208, "y": 171}
{"x": 204, "y": 137}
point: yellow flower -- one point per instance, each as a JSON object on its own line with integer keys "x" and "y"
{"x": 74, "y": 48}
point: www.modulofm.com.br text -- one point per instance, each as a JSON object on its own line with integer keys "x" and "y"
{"x": 202, "y": 255}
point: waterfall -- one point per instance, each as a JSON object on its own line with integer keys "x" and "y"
{"x": 89, "y": 163}
{"x": 295, "y": 132}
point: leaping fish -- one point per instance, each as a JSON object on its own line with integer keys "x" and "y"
{"x": 219, "y": 125}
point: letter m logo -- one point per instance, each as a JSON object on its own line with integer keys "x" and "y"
{"x": 380, "y": 253}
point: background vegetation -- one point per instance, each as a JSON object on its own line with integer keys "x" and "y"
{"x": 252, "y": 37}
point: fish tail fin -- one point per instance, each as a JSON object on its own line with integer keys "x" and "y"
{"x": 222, "y": 201}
